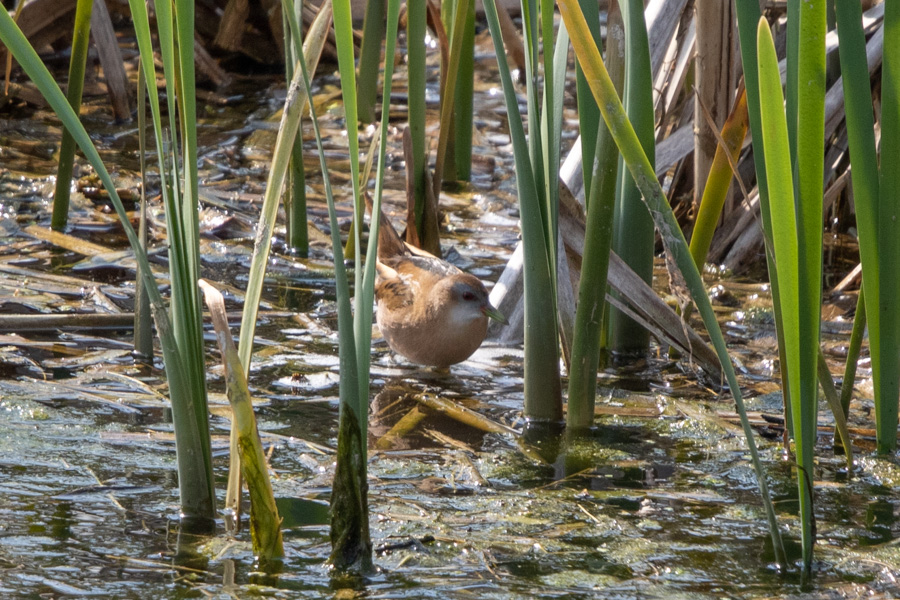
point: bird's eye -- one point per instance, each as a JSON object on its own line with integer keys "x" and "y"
{"x": 468, "y": 296}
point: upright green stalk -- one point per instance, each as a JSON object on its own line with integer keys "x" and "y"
{"x": 589, "y": 118}
{"x": 370, "y": 59}
{"x": 748, "y": 14}
{"x": 190, "y": 322}
{"x": 365, "y": 295}
{"x": 551, "y": 121}
{"x": 175, "y": 22}
{"x": 810, "y": 176}
{"x": 791, "y": 89}
{"x": 343, "y": 32}
{"x": 80, "y": 38}
{"x": 295, "y": 205}
{"x": 448, "y": 94}
{"x": 416, "y": 18}
{"x": 633, "y": 236}
{"x": 350, "y": 538}
{"x": 666, "y": 223}
{"x": 351, "y": 543}
{"x": 889, "y": 227}
{"x": 797, "y": 237}
{"x": 601, "y": 203}
{"x": 143, "y": 319}
{"x": 810, "y": 183}
{"x": 191, "y": 430}
{"x": 531, "y": 31}
{"x": 295, "y": 194}
{"x": 463, "y": 104}
{"x": 458, "y": 159}
{"x": 543, "y": 398}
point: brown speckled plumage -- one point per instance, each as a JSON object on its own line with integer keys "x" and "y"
{"x": 427, "y": 309}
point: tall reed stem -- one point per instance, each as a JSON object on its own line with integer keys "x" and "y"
{"x": 77, "y": 63}
{"x": 633, "y": 237}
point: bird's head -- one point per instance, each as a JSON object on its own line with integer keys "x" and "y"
{"x": 469, "y": 300}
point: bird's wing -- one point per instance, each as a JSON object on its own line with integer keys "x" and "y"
{"x": 404, "y": 279}
{"x": 395, "y": 290}
{"x": 423, "y": 268}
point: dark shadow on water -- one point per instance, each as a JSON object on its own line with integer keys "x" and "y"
{"x": 880, "y": 520}
{"x": 186, "y": 552}
{"x": 593, "y": 459}
{"x": 544, "y": 439}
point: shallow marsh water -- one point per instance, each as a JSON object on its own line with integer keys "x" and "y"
{"x": 660, "y": 502}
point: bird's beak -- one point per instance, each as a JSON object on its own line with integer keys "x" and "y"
{"x": 492, "y": 313}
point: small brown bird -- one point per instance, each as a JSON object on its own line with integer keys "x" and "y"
{"x": 428, "y": 310}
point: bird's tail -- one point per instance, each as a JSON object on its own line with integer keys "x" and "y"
{"x": 389, "y": 242}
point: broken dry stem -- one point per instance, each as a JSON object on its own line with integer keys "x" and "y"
{"x": 265, "y": 524}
